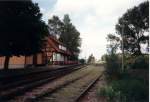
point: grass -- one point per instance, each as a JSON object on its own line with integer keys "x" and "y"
{"x": 125, "y": 89}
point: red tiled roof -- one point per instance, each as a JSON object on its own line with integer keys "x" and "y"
{"x": 55, "y": 40}
{"x": 54, "y": 43}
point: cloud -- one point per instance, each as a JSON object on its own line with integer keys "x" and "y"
{"x": 94, "y": 19}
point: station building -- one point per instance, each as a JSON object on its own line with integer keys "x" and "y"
{"x": 53, "y": 52}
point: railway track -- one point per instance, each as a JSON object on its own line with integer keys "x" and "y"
{"x": 26, "y": 75}
{"x": 84, "y": 92}
{"x": 72, "y": 91}
{"x": 21, "y": 85}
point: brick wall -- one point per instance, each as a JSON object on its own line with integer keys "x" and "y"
{"x": 14, "y": 62}
{"x": 39, "y": 58}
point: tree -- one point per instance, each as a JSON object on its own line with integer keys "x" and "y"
{"x": 112, "y": 58}
{"x": 82, "y": 61}
{"x": 91, "y": 59}
{"x": 103, "y": 57}
{"x": 70, "y": 37}
{"x": 21, "y": 28}
{"x": 114, "y": 43}
{"x": 55, "y": 25}
{"x": 132, "y": 26}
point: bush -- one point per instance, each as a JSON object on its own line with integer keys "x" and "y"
{"x": 133, "y": 90}
{"x": 82, "y": 61}
{"x": 141, "y": 62}
{"x": 113, "y": 65}
{"x": 137, "y": 62}
{"x": 126, "y": 90}
{"x": 107, "y": 92}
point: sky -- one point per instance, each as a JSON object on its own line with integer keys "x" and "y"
{"x": 94, "y": 19}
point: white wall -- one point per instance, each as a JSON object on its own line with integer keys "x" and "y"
{"x": 58, "y": 57}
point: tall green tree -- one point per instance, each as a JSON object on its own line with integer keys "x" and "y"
{"x": 133, "y": 26}
{"x": 21, "y": 29}
{"x": 70, "y": 37}
{"x": 55, "y": 25}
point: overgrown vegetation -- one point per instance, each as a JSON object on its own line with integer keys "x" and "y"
{"x": 130, "y": 83}
{"x": 125, "y": 90}
{"x": 137, "y": 62}
{"x": 113, "y": 65}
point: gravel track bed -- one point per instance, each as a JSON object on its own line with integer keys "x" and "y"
{"x": 71, "y": 91}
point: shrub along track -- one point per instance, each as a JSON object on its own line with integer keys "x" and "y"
{"x": 73, "y": 90}
{"x": 18, "y": 86}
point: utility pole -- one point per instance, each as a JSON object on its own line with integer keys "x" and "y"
{"x": 122, "y": 36}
